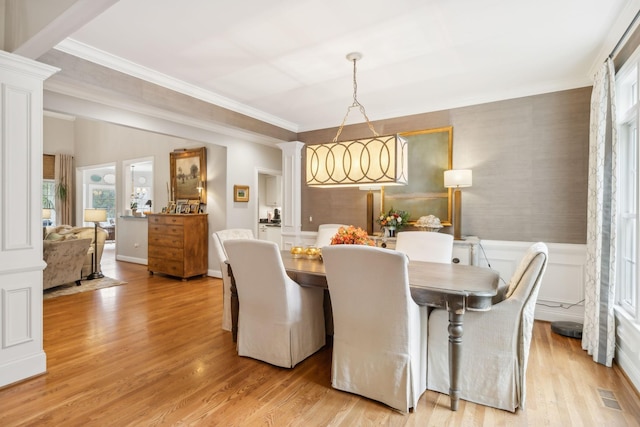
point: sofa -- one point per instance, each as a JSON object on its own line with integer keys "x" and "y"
{"x": 67, "y": 232}
{"x": 64, "y": 258}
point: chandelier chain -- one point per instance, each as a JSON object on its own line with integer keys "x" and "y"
{"x": 356, "y": 103}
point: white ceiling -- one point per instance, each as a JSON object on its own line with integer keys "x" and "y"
{"x": 283, "y": 61}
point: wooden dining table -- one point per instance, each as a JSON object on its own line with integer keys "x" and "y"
{"x": 453, "y": 287}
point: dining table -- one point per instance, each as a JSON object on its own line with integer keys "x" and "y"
{"x": 453, "y": 287}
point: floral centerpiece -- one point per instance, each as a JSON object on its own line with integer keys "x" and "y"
{"x": 393, "y": 220}
{"x": 351, "y": 236}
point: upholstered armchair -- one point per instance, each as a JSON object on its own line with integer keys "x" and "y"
{"x": 54, "y": 233}
{"x": 380, "y": 333}
{"x": 64, "y": 260}
{"x": 218, "y": 238}
{"x": 495, "y": 348}
{"x": 426, "y": 246}
{"x": 279, "y": 321}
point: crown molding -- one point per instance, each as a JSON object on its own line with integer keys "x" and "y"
{"x": 97, "y": 56}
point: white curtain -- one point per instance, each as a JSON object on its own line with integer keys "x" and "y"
{"x": 598, "y": 336}
{"x": 64, "y": 177}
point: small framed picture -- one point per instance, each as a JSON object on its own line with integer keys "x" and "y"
{"x": 172, "y": 208}
{"x": 193, "y": 208}
{"x": 185, "y": 209}
{"x": 203, "y": 208}
{"x": 240, "y": 193}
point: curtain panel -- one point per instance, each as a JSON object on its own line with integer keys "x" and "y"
{"x": 64, "y": 179}
{"x": 598, "y": 337}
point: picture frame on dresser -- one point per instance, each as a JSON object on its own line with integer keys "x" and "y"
{"x": 188, "y": 170}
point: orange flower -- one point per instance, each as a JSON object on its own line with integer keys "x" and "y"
{"x": 351, "y": 236}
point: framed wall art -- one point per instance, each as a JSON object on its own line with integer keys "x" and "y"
{"x": 430, "y": 154}
{"x": 240, "y": 193}
{"x": 188, "y": 168}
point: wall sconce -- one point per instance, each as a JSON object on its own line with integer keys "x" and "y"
{"x": 95, "y": 216}
{"x": 379, "y": 160}
{"x": 457, "y": 178}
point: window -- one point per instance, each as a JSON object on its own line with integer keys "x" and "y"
{"x": 103, "y": 197}
{"x": 48, "y": 201}
{"x": 628, "y": 114}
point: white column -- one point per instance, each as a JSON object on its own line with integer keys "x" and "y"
{"x": 21, "y": 350}
{"x": 291, "y": 223}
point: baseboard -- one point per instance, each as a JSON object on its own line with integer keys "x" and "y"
{"x": 134, "y": 260}
{"x": 19, "y": 370}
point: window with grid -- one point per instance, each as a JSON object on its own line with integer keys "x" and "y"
{"x": 628, "y": 114}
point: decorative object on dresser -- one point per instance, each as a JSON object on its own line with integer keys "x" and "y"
{"x": 456, "y": 179}
{"x": 95, "y": 216}
{"x": 188, "y": 168}
{"x": 429, "y": 223}
{"x": 178, "y": 245}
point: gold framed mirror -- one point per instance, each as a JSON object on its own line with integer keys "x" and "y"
{"x": 430, "y": 154}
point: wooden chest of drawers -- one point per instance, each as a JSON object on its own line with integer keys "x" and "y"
{"x": 178, "y": 244}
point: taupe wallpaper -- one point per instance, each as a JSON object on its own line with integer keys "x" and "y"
{"x": 529, "y": 158}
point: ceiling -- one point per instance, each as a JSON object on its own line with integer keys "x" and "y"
{"x": 283, "y": 61}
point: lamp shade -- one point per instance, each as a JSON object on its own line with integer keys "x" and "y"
{"x": 95, "y": 215}
{"x": 381, "y": 160}
{"x": 457, "y": 178}
{"x": 46, "y": 213}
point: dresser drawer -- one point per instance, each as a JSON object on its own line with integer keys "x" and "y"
{"x": 161, "y": 265}
{"x": 171, "y": 230}
{"x": 165, "y": 219}
{"x": 166, "y": 252}
{"x": 164, "y": 241}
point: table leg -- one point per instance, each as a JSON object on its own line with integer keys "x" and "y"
{"x": 456, "y": 312}
{"x": 235, "y": 305}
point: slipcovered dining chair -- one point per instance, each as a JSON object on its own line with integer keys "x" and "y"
{"x": 325, "y": 233}
{"x": 380, "y": 333}
{"x": 218, "y": 238}
{"x": 426, "y": 246}
{"x": 495, "y": 346}
{"x": 279, "y": 322}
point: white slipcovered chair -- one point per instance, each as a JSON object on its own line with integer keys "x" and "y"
{"x": 218, "y": 238}
{"x": 426, "y": 246}
{"x": 380, "y": 333}
{"x": 325, "y": 233}
{"x": 279, "y": 322}
{"x": 495, "y": 344}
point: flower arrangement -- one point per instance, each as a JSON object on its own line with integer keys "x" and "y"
{"x": 393, "y": 218}
{"x": 351, "y": 236}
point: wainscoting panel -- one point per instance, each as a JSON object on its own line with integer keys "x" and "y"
{"x": 562, "y": 291}
{"x": 628, "y": 347}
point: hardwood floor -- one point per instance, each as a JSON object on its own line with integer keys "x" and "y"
{"x": 151, "y": 352}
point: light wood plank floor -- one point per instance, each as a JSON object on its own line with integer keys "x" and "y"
{"x": 151, "y": 352}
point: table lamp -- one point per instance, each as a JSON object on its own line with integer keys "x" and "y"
{"x": 95, "y": 216}
{"x": 457, "y": 178}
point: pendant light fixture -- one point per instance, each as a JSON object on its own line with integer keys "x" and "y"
{"x": 381, "y": 160}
